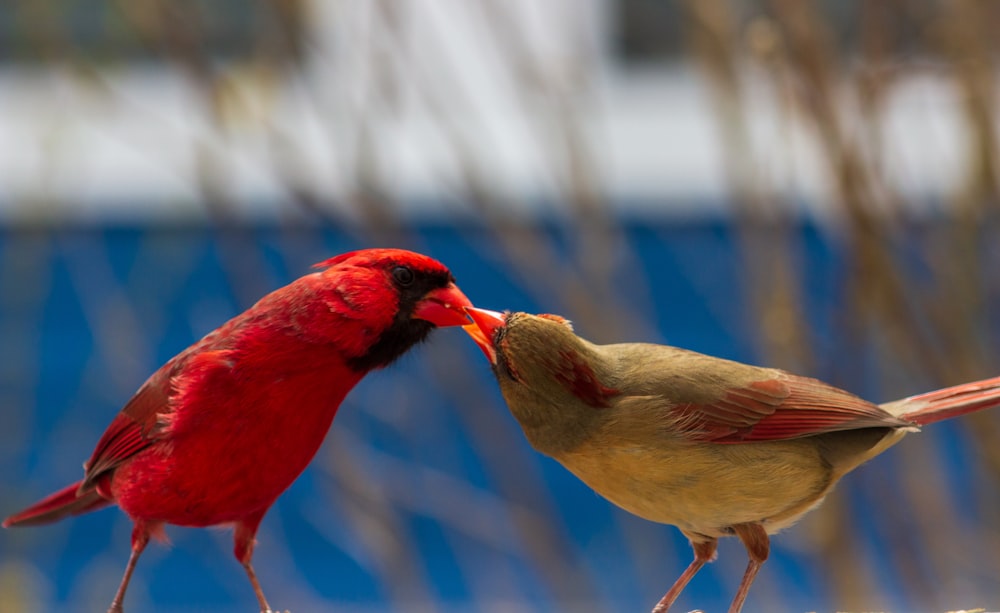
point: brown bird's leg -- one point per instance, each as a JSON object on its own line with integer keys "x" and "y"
{"x": 758, "y": 545}
{"x": 140, "y": 536}
{"x": 704, "y": 551}
{"x": 245, "y": 540}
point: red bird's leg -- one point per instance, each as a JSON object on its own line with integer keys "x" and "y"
{"x": 140, "y": 537}
{"x": 758, "y": 545}
{"x": 245, "y": 539}
{"x": 704, "y": 551}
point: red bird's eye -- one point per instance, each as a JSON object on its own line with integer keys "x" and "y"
{"x": 403, "y": 275}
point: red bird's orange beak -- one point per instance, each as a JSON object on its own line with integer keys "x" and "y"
{"x": 483, "y": 329}
{"x": 444, "y": 307}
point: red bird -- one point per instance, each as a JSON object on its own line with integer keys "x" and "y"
{"x": 222, "y": 429}
{"x": 714, "y": 447}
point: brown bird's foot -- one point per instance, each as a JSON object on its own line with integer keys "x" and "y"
{"x": 758, "y": 546}
{"x": 704, "y": 552}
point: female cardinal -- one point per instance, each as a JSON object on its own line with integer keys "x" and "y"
{"x": 222, "y": 429}
{"x": 713, "y": 447}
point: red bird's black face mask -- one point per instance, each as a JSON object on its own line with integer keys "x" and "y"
{"x": 427, "y": 299}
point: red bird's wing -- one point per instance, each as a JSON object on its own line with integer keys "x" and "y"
{"x": 784, "y": 407}
{"x": 131, "y": 431}
{"x": 149, "y": 415}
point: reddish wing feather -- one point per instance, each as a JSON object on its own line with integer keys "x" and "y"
{"x": 148, "y": 415}
{"x": 131, "y": 431}
{"x": 777, "y": 409}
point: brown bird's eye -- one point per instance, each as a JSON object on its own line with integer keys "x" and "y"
{"x": 402, "y": 275}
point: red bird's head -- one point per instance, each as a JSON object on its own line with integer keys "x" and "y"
{"x": 395, "y": 298}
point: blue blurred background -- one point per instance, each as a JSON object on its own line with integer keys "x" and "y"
{"x": 809, "y": 185}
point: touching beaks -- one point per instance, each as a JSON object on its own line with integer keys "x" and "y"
{"x": 483, "y": 329}
{"x": 444, "y": 307}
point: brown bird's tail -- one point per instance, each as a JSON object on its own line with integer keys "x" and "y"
{"x": 949, "y": 402}
{"x": 67, "y": 501}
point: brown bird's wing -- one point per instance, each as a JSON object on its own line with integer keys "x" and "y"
{"x": 784, "y": 407}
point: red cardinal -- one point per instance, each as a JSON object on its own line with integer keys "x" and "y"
{"x": 222, "y": 429}
{"x": 714, "y": 447}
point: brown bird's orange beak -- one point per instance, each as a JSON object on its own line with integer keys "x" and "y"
{"x": 483, "y": 329}
{"x": 444, "y": 307}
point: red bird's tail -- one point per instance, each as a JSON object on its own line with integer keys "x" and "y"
{"x": 949, "y": 402}
{"x": 67, "y": 501}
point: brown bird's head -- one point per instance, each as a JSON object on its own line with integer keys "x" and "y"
{"x": 556, "y": 384}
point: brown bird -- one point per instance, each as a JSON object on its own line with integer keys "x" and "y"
{"x": 714, "y": 447}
